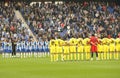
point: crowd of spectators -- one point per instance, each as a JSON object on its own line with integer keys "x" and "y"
{"x": 72, "y": 19}
{"x": 11, "y": 28}
{"x": 65, "y": 20}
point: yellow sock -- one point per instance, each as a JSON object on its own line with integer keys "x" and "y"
{"x": 107, "y": 55}
{"x": 54, "y": 57}
{"x": 86, "y": 56}
{"x": 65, "y": 57}
{"x": 117, "y": 55}
{"x": 62, "y": 57}
{"x": 75, "y": 56}
{"x": 71, "y": 56}
{"x": 78, "y": 56}
{"x": 99, "y": 55}
{"x": 82, "y": 56}
{"x": 104, "y": 56}
{"x": 57, "y": 57}
{"x": 110, "y": 55}
{"x": 114, "y": 55}
{"x": 68, "y": 57}
{"x": 89, "y": 55}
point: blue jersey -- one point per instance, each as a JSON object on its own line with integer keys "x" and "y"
{"x": 23, "y": 46}
{"x": 18, "y": 48}
{"x": 8, "y": 47}
{"x": 1, "y": 48}
{"x": 29, "y": 46}
{"x": 5, "y": 47}
{"x": 2, "y": 45}
{"x": 46, "y": 46}
{"x": 42, "y": 45}
{"x": 33, "y": 46}
{"x": 37, "y": 47}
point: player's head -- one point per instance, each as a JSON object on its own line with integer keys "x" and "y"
{"x": 66, "y": 42}
{"x": 52, "y": 42}
{"x": 111, "y": 40}
{"x": 72, "y": 41}
{"x": 59, "y": 37}
{"x": 80, "y": 42}
{"x": 93, "y": 34}
{"x": 59, "y": 42}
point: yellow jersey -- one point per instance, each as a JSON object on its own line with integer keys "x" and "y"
{"x": 66, "y": 47}
{"x": 52, "y": 46}
{"x": 112, "y": 45}
{"x": 117, "y": 44}
{"x": 73, "y": 43}
{"x": 80, "y": 45}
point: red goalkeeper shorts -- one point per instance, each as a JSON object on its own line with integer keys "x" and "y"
{"x": 93, "y": 48}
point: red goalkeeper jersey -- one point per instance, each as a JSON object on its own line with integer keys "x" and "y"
{"x": 93, "y": 42}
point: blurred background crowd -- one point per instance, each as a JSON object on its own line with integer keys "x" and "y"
{"x": 10, "y": 26}
{"x": 59, "y": 20}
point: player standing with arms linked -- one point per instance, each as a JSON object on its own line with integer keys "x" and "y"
{"x": 94, "y": 42}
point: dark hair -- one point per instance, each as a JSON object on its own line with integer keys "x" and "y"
{"x": 93, "y": 35}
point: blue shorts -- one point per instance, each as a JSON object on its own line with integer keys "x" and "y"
{"x": 46, "y": 50}
{"x": 22, "y": 50}
{"x": 33, "y": 50}
{"x": 7, "y": 51}
{"x": 18, "y": 50}
{"x": 37, "y": 50}
{"x": 28, "y": 50}
{"x": 42, "y": 50}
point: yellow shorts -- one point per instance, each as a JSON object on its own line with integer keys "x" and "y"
{"x": 59, "y": 49}
{"x": 66, "y": 50}
{"x": 87, "y": 48}
{"x": 52, "y": 50}
{"x": 100, "y": 48}
{"x": 80, "y": 49}
{"x": 105, "y": 48}
{"x": 117, "y": 48}
{"x": 112, "y": 48}
{"x": 72, "y": 48}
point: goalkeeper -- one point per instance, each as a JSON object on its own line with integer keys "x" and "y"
{"x": 94, "y": 42}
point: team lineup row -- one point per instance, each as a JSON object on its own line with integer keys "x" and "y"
{"x": 27, "y": 46}
{"x": 76, "y": 49}
{"x": 26, "y": 49}
{"x": 73, "y": 49}
{"x": 80, "y": 44}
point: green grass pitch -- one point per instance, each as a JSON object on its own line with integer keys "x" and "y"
{"x": 43, "y": 68}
